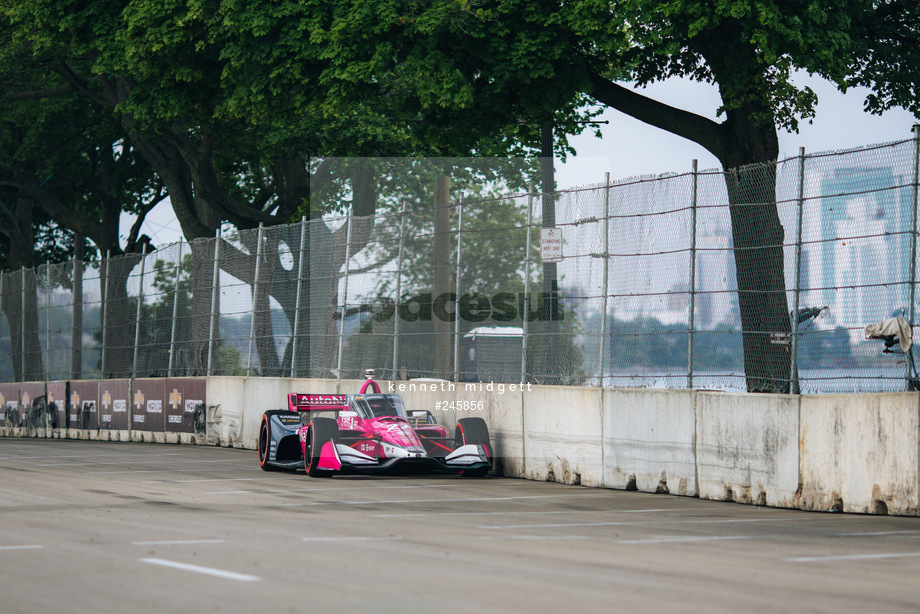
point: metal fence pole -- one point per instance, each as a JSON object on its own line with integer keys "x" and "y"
{"x": 913, "y": 242}
{"x": 215, "y": 288}
{"x": 175, "y": 313}
{"x": 303, "y": 242}
{"x": 601, "y": 354}
{"x": 457, "y": 293}
{"x": 691, "y": 321}
{"x": 255, "y": 294}
{"x": 338, "y": 374}
{"x": 140, "y": 304}
{"x": 105, "y": 310}
{"x": 22, "y": 323}
{"x": 76, "y": 317}
{"x": 399, "y": 265}
{"x": 525, "y": 315}
{"x": 794, "y": 341}
{"x": 2, "y": 277}
{"x": 47, "y": 357}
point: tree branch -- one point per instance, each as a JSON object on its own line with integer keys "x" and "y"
{"x": 691, "y": 126}
{"x": 53, "y": 92}
{"x": 80, "y": 84}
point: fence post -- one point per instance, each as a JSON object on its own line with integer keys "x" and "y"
{"x": 255, "y": 294}
{"x": 105, "y": 310}
{"x": 303, "y": 242}
{"x": 399, "y": 265}
{"x": 76, "y": 318}
{"x": 457, "y": 293}
{"x": 913, "y": 242}
{"x": 2, "y": 277}
{"x": 215, "y": 288}
{"x": 47, "y": 357}
{"x": 794, "y": 386}
{"x": 691, "y": 321}
{"x": 606, "y": 284}
{"x": 175, "y": 312}
{"x": 22, "y": 323}
{"x": 140, "y": 303}
{"x": 338, "y": 373}
{"x": 525, "y": 315}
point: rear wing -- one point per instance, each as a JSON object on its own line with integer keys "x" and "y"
{"x": 317, "y": 402}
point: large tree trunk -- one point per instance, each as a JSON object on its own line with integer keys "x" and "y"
{"x": 119, "y": 316}
{"x": 747, "y": 146}
{"x": 749, "y": 157}
{"x": 23, "y": 316}
{"x": 19, "y": 300}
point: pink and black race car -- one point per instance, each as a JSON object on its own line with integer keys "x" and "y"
{"x": 368, "y": 433}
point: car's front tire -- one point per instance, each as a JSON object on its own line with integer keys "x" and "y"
{"x": 473, "y": 431}
{"x": 321, "y": 431}
{"x": 264, "y": 439}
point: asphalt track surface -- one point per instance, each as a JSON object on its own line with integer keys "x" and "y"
{"x": 124, "y": 527}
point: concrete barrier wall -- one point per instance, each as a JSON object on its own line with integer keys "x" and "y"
{"x": 852, "y": 453}
{"x": 649, "y": 440}
{"x": 859, "y": 453}
{"x": 747, "y": 447}
{"x": 563, "y": 435}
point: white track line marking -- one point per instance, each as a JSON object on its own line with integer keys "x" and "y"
{"x": 351, "y": 539}
{"x": 286, "y": 490}
{"x": 853, "y": 557}
{"x": 25, "y": 458}
{"x": 496, "y": 537}
{"x": 159, "y": 471}
{"x": 523, "y": 513}
{"x": 670, "y": 540}
{"x": 178, "y": 542}
{"x": 876, "y": 533}
{"x": 641, "y": 522}
{"x": 212, "y": 480}
{"x": 135, "y": 462}
{"x": 568, "y": 496}
{"x": 20, "y": 547}
{"x": 220, "y": 573}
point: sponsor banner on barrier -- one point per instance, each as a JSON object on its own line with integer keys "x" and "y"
{"x": 114, "y": 396}
{"x": 185, "y": 405}
{"x": 9, "y": 405}
{"x": 148, "y": 400}
{"x": 57, "y": 403}
{"x": 83, "y": 405}
{"x": 32, "y": 405}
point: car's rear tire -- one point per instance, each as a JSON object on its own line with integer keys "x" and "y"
{"x": 321, "y": 431}
{"x": 473, "y": 431}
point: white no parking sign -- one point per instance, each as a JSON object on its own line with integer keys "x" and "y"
{"x": 551, "y": 244}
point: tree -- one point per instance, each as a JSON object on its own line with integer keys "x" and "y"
{"x": 224, "y": 100}
{"x": 491, "y": 273}
{"x": 67, "y": 162}
{"x": 492, "y": 61}
{"x": 65, "y": 174}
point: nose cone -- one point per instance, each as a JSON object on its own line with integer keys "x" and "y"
{"x": 398, "y": 433}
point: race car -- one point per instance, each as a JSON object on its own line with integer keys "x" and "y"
{"x": 368, "y": 432}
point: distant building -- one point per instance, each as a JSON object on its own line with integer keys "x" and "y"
{"x": 858, "y": 246}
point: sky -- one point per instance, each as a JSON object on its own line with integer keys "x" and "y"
{"x": 630, "y": 148}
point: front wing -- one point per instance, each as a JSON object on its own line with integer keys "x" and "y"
{"x": 342, "y": 457}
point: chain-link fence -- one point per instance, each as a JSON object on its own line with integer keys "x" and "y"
{"x": 763, "y": 278}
